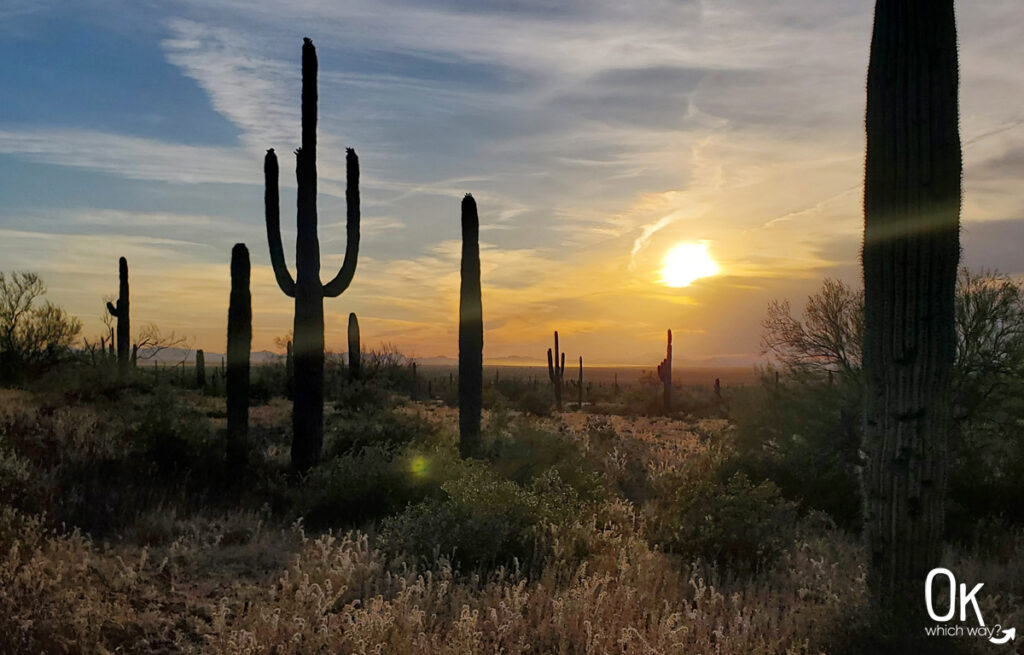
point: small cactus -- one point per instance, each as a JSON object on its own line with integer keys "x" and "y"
{"x": 200, "y": 370}
{"x": 579, "y": 386}
{"x": 665, "y": 374}
{"x": 556, "y": 372}
{"x": 123, "y": 316}
{"x": 355, "y": 363}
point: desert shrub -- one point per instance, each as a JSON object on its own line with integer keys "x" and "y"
{"x": 534, "y": 401}
{"x": 483, "y": 521}
{"x": 803, "y": 423}
{"x": 353, "y": 488}
{"x": 620, "y": 461}
{"x": 731, "y": 522}
{"x": 523, "y": 452}
{"x": 349, "y": 432}
{"x": 362, "y": 396}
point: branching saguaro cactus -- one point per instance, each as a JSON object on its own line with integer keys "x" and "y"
{"x": 355, "y": 356}
{"x": 556, "y": 372}
{"x": 471, "y": 333}
{"x": 123, "y": 315}
{"x": 200, "y": 369}
{"x": 307, "y": 289}
{"x": 912, "y": 200}
{"x": 665, "y": 374}
{"x": 239, "y": 347}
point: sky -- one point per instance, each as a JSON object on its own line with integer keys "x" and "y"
{"x": 595, "y": 135}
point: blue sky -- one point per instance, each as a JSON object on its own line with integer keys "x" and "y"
{"x": 595, "y": 136}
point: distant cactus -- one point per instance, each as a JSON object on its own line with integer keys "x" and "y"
{"x": 239, "y": 347}
{"x": 355, "y": 358}
{"x": 307, "y": 289}
{"x": 471, "y": 333}
{"x": 718, "y": 389}
{"x": 414, "y": 380}
{"x": 665, "y": 374}
{"x": 579, "y": 385}
{"x": 556, "y": 372}
{"x": 200, "y": 370}
{"x": 123, "y": 316}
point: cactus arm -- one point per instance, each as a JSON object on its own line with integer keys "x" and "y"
{"x": 273, "y": 212}
{"x": 110, "y": 308}
{"x": 551, "y": 368}
{"x": 561, "y": 370}
{"x": 335, "y": 287}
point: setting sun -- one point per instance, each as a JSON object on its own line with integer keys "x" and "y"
{"x": 688, "y": 262}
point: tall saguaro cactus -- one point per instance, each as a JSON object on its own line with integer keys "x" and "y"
{"x": 471, "y": 333}
{"x": 556, "y": 372}
{"x": 912, "y": 198}
{"x": 307, "y": 289}
{"x": 665, "y": 374}
{"x": 239, "y": 347}
{"x": 355, "y": 356}
{"x": 123, "y": 315}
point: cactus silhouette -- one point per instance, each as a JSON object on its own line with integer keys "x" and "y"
{"x": 239, "y": 346}
{"x": 556, "y": 372}
{"x": 471, "y": 333}
{"x": 307, "y": 289}
{"x": 123, "y": 316}
{"x": 200, "y": 369}
{"x": 355, "y": 357}
{"x": 289, "y": 370}
{"x": 579, "y": 385}
{"x": 912, "y": 200}
{"x": 665, "y": 374}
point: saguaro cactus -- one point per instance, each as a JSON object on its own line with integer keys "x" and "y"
{"x": 123, "y": 316}
{"x": 200, "y": 369}
{"x": 912, "y": 199}
{"x": 289, "y": 370}
{"x": 239, "y": 346}
{"x": 471, "y": 333}
{"x": 665, "y": 374}
{"x": 579, "y": 386}
{"x": 355, "y": 358}
{"x": 307, "y": 289}
{"x": 556, "y": 371}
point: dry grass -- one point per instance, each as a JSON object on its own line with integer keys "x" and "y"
{"x": 244, "y": 582}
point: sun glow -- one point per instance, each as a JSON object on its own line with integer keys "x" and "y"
{"x": 687, "y": 262}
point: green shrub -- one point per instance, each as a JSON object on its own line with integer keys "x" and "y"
{"x": 803, "y": 423}
{"x": 523, "y": 452}
{"x": 733, "y": 523}
{"x": 348, "y": 433}
{"x": 484, "y": 521}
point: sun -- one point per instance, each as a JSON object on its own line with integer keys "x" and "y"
{"x": 688, "y": 262}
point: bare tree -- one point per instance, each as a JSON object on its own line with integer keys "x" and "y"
{"x": 32, "y": 335}
{"x": 830, "y": 336}
{"x": 151, "y": 342}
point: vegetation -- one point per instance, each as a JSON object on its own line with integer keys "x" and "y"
{"x": 34, "y": 337}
